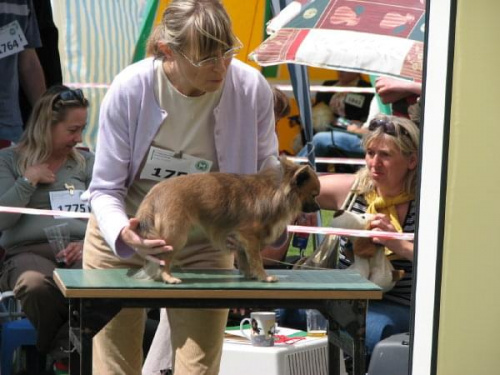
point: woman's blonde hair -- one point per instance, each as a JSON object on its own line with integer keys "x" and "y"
{"x": 35, "y": 146}
{"x": 404, "y": 134}
{"x": 201, "y": 27}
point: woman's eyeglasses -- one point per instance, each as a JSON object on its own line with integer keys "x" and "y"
{"x": 212, "y": 61}
{"x": 387, "y": 126}
{"x": 70, "y": 94}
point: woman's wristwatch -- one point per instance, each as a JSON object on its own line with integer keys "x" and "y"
{"x": 24, "y": 178}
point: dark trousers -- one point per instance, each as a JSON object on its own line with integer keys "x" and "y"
{"x": 29, "y": 274}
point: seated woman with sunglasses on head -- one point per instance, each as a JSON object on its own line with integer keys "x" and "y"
{"x": 43, "y": 171}
{"x": 385, "y": 187}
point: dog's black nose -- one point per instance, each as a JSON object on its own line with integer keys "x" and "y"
{"x": 310, "y": 207}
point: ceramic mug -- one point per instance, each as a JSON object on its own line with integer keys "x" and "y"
{"x": 262, "y": 328}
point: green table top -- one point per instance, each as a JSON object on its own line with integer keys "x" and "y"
{"x": 119, "y": 283}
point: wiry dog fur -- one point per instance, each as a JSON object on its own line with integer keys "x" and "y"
{"x": 253, "y": 209}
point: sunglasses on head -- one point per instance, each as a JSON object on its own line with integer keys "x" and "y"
{"x": 387, "y": 126}
{"x": 70, "y": 94}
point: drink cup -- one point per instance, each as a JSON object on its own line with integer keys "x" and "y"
{"x": 58, "y": 237}
{"x": 317, "y": 324}
{"x": 262, "y": 328}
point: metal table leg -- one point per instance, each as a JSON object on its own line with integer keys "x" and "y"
{"x": 88, "y": 317}
{"x": 347, "y": 323}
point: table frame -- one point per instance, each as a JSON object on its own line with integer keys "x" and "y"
{"x": 91, "y": 309}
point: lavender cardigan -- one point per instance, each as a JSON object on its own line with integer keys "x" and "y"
{"x": 130, "y": 117}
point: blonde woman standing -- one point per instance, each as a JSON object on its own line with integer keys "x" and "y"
{"x": 191, "y": 102}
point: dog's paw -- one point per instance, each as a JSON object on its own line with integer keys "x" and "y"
{"x": 270, "y": 279}
{"x": 169, "y": 279}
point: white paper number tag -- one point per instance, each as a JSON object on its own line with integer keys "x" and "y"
{"x": 65, "y": 200}
{"x": 162, "y": 164}
{"x": 356, "y": 100}
{"x": 12, "y": 39}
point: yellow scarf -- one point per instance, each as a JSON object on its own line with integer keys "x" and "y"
{"x": 387, "y": 206}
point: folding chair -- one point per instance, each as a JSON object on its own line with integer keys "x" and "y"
{"x": 16, "y": 331}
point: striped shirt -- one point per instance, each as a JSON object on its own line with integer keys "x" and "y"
{"x": 401, "y": 293}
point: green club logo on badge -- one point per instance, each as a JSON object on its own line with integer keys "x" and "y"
{"x": 202, "y": 165}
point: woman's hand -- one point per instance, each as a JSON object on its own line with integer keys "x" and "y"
{"x": 382, "y": 223}
{"x": 40, "y": 174}
{"x": 402, "y": 248}
{"x": 357, "y": 129}
{"x": 142, "y": 246}
{"x": 72, "y": 252}
{"x": 391, "y": 89}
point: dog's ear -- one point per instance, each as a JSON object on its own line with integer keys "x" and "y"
{"x": 302, "y": 175}
{"x": 272, "y": 162}
{"x": 286, "y": 165}
{"x": 287, "y": 169}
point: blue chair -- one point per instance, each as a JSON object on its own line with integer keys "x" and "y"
{"x": 15, "y": 334}
{"x": 15, "y": 331}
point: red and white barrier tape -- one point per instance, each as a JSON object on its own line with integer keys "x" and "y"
{"x": 282, "y": 87}
{"x": 351, "y": 232}
{"x": 35, "y": 211}
{"x": 323, "y": 88}
{"x": 81, "y": 85}
{"x": 321, "y": 160}
{"x": 291, "y": 228}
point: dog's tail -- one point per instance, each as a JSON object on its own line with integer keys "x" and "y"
{"x": 150, "y": 271}
{"x": 152, "y": 267}
{"x": 147, "y": 228}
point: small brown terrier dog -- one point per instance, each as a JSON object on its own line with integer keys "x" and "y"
{"x": 252, "y": 209}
